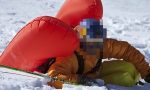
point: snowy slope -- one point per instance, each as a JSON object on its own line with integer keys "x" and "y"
{"x": 16, "y": 80}
{"x": 127, "y": 20}
{"x": 129, "y": 8}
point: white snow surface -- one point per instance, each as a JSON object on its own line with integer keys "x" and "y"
{"x": 127, "y": 20}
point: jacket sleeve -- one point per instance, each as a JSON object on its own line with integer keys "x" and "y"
{"x": 123, "y": 50}
{"x": 65, "y": 69}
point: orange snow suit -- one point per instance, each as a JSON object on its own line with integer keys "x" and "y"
{"x": 66, "y": 67}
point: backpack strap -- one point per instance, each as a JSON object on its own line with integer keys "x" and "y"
{"x": 98, "y": 64}
{"x": 96, "y": 68}
{"x": 45, "y": 66}
{"x": 80, "y": 63}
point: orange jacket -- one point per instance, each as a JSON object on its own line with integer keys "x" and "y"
{"x": 66, "y": 67}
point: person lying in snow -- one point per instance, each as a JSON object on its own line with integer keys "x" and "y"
{"x": 86, "y": 63}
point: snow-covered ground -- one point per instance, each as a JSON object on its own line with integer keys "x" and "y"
{"x": 18, "y": 80}
{"x": 127, "y": 20}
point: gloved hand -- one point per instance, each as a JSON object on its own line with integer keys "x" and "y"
{"x": 147, "y": 78}
{"x": 74, "y": 79}
{"x": 60, "y": 79}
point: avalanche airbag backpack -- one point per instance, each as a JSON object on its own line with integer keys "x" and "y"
{"x": 43, "y": 38}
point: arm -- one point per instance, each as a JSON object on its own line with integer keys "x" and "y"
{"x": 123, "y": 50}
{"x": 64, "y": 68}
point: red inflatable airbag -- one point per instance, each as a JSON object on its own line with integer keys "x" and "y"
{"x": 74, "y": 11}
{"x": 43, "y": 38}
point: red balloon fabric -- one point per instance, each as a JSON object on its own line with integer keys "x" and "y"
{"x": 43, "y": 38}
{"x": 74, "y": 11}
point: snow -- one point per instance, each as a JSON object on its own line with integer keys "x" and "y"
{"x": 18, "y": 80}
{"x": 127, "y": 20}
{"x": 73, "y": 87}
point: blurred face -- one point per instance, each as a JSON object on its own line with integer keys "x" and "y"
{"x": 91, "y": 36}
{"x": 92, "y": 48}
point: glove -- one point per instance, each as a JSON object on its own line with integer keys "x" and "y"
{"x": 147, "y": 78}
{"x": 60, "y": 79}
